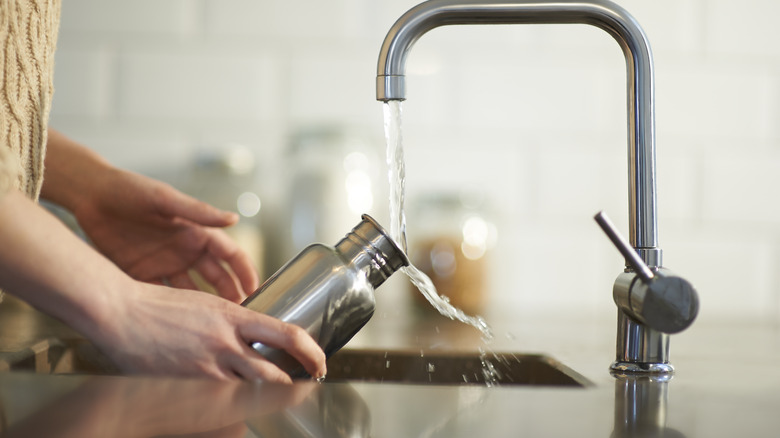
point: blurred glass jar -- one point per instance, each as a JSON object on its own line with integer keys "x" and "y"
{"x": 226, "y": 177}
{"x": 334, "y": 175}
{"x": 451, "y": 243}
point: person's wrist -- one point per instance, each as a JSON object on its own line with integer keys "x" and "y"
{"x": 74, "y": 174}
{"x": 90, "y": 192}
{"x": 103, "y": 314}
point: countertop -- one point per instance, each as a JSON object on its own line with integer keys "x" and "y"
{"x": 727, "y": 384}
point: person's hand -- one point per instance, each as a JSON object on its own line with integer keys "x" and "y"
{"x": 147, "y": 228}
{"x": 160, "y": 330}
{"x": 142, "y": 327}
{"x": 157, "y": 234}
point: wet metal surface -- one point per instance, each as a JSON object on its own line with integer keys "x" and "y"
{"x": 706, "y": 397}
{"x": 452, "y": 368}
{"x": 42, "y": 405}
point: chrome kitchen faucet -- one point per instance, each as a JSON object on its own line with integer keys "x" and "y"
{"x": 643, "y": 344}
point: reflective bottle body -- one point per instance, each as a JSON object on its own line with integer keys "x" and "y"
{"x": 328, "y": 291}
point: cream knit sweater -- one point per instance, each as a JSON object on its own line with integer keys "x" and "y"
{"x": 28, "y": 36}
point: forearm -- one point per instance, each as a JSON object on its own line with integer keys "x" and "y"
{"x": 72, "y": 171}
{"x": 141, "y": 327}
{"x": 45, "y": 264}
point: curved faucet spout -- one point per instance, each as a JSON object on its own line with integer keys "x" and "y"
{"x": 643, "y": 234}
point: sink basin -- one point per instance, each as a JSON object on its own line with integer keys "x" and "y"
{"x": 450, "y": 368}
{"x": 34, "y": 342}
{"x": 408, "y": 367}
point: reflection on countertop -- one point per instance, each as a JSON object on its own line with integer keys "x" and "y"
{"x": 87, "y": 406}
{"x": 731, "y": 390}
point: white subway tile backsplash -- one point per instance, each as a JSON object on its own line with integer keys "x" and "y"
{"x": 487, "y": 165}
{"x": 679, "y": 173}
{"x": 535, "y": 274}
{"x": 336, "y": 86}
{"x": 745, "y": 28}
{"x": 168, "y": 17}
{"x": 332, "y": 19}
{"x": 733, "y": 274}
{"x": 570, "y": 182}
{"x": 536, "y": 92}
{"x": 741, "y": 188}
{"x": 240, "y": 17}
{"x": 84, "y": 83}
{"x": 204, "y": 85}
{"x": 429, "y": 89}
{"x": 675, "y": 26}
{"x": 716, "y": 103}
{"x": 532, "y": 116}
{"x": 131, "y": 146}
{"x": 577, "y": 176}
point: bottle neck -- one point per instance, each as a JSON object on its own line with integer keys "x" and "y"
{"x": 369, "y": 248}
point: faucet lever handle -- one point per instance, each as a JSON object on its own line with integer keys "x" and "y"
{"x": 664, "y": 302}
{"x": 633, "y": 259}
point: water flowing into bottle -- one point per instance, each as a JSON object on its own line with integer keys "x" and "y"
{"x": 397, "y": 178}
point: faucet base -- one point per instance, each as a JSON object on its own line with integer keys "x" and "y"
{"x": 640, "y": 349}
{"x": 620, "y": 368}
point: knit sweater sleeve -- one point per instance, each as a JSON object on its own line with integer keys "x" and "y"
{"x": 9, "y": 170}
{"x": 28, "y": 35}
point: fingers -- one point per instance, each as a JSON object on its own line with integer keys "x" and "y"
{"x": 171, "y": 202}
{"x": 220, "y": 278}
{"x": 244, "y": 269}
{"x": 219, "y": 262}
{"x": 252, "y": 366}
{"x": 222, "y": 247}
{"x": 226, "y": 267}
{"x": 291, "y": 338}
{"x": 181, "y": 280}
{"x": 178, "y": 204}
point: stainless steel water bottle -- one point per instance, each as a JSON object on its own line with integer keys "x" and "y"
{"x": 328, "y": 291}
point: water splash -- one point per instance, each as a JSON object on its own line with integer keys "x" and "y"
{"x": 397, "y": 178}
{"x": 489, "y": 372}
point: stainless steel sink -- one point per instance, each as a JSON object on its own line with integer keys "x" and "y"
{"x": 450, "y": 368}
{"x": 409, "y": 367}
{"x": 30, "y": 341}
